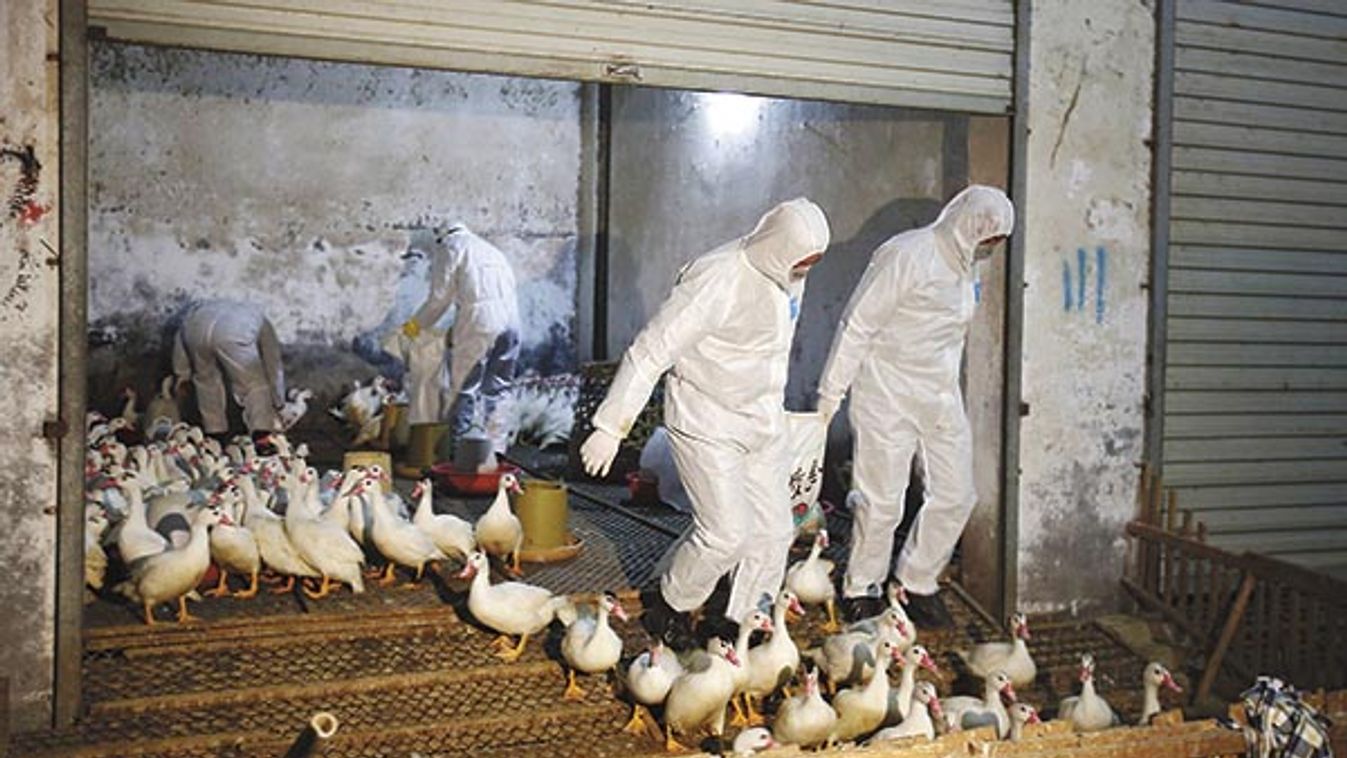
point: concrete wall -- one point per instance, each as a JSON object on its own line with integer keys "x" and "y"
{"x": 291, "y": 183}
{"x": 29, "y": 269}
{"x": 691, "y": 171}
{"x": 1087, "y": 251}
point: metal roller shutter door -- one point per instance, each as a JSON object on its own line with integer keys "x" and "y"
{"x": 1255, "y": 406}
{"x": 953, "y": 55}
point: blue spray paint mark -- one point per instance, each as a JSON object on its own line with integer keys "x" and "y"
{"x": 1080, "y": 278}
{"x": 1100, "y": 275}
{"x": 1066, "y": 286}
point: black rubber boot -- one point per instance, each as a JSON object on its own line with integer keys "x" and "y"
{"x": 673, "y": 628}
{"x": 717, "y": 626}
{"x": 263, "y": 444}
{"x": 928, "y": 611}
{"x": 863, "y": 607}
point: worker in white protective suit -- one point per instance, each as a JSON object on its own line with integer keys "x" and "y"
{"x": 899, "y": 349}
{"x": 472, "y": 276}
{"x": 725, "y": 331}
{"x": 225, "y": 339}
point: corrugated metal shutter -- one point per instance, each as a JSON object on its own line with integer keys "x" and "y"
{"x": 1255, "y": 406}
{"x": 953, "y": 55}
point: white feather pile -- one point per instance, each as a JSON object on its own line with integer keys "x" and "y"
{"x": 544, "y": 409}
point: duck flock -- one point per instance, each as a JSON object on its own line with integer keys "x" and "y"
{"x": 169, "y": 501}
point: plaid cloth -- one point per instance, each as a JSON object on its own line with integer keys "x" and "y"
{"x": 1280, "y": 724}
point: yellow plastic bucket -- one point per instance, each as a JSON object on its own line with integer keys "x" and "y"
{"x": 369, "y": 458}
{"x": 545, "y": 514}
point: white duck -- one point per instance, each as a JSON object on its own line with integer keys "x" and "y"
{"x": 590, "y": 645}
{"x": 806, "y": 719}
{"x": 900, "y": 700}
{"x": 322, "y": 544}
{"x": 750, "y": 741}
{"x": 861, "y": 710}
{"x": 498, "y": 531}
{"x": 811, "y": 580}
{"x": 964, "y": 713}
{"x": 451, "y": 534}
{"x": 400, "y": 542}
{"x": 649, "y": 678}
{"x": 511, "y": 608}
{"x": 174, "y": 573}
{"x": 921, "y": 721}
{"x": 755, "y": 621}
{"x": 772, "y": 664}
{"x": 1011, "y": 657}
{"x": 1021, "y": 714}
{"x": 165, "y": 404}
{"x": 893, "y": 622}
{"x": 849, "y": 657}
{"x": 232, "y": 545}
{"x": 273, "y": 544}
{"x": 698, "y": 697}
{"x": 135, "y": 538}
{"x": 1153, "y": 678}
{"x": 1087, "y": 712}
{"x": 95, "y": 559}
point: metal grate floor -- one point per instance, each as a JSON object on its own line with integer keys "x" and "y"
{"x": 406, "y": 676}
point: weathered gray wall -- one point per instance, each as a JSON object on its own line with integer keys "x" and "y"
{"x": 691, "y": 171}
{"x": 29, "y": 140}
{"x": 290, "y": 182}
{"x": 1087, "y": 252}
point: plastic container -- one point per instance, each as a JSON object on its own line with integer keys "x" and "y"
{"x": 422, "y": 443}
{"x": 369, "y": 458}
{"x": 470, "y": 482}
{"x": 544, "y": 511}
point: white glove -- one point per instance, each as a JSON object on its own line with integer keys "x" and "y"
{"x": 827, "y": 406}
{"x": 598, "y": 452}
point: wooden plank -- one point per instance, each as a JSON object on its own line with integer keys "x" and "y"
{"x": 1255, "y": 472}
{"x": 1259, "y": 115}
{"x": 1259, "y": 212}
{"x": 1255, "y": 330}
{"x": 1274, "y": 284}
{"x": 1213, "y": 184}
{"x": 1242, "y": 354}
{"x": 1246, "y": 16}
{"x": 1197, "y": 34}
{"x": 1239, "y": 137}
{"x": 1258, "y": 261}
{"x": 1232, "y": 623}
{"x": 1224, "y": 160}
{"x": 1262, "y": 495}
{"x": 1254, "y": 66}
{"x": 1235, "y": 378}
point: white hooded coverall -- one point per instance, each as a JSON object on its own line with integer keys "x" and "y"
{"x": 472, "y": 275}
{"x": 725, "y": 331}
{"x": 899, "y": 349}
{"x": 224, "y": 338}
